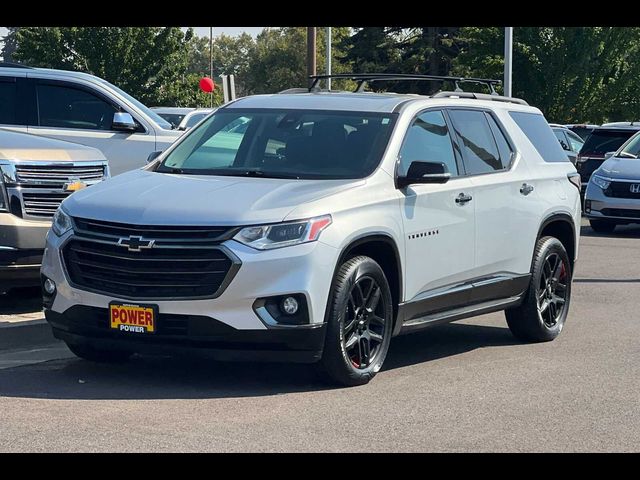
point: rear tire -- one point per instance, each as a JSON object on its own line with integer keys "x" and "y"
{"x": 543, "y": 311}
{"x": 602, "y": 226}
{"x": 98, "y": 355}
{"x": 359, "y": 323}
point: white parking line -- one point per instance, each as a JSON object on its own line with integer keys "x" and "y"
{"x": 17, "y": 358}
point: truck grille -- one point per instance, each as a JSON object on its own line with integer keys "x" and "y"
{"x": 175, "y": 262}
{"x": 621, "y": 190}
{"x": 58, "y": 174}
{"x": 42, "y": 187}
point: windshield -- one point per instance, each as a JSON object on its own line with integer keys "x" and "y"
{"x": 603, "y": 141}
{"x": 304, "y": 144}
{"x": 162, "y": 123}
{"x": 632, "y": 148}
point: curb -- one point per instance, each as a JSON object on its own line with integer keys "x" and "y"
{"x": 25, "y": 334}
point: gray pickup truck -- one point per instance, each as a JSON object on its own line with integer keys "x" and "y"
{"x": 36, "y": 174}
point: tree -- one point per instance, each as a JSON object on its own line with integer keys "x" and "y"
{"x": 9, "y": 44}
{"x": 571, "y": 73}
{"x": 410, "y": 50}
{"x": 150, "y": 63}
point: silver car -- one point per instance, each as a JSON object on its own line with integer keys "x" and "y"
{"x": 613, "y": 192}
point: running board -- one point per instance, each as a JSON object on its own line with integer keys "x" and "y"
{"x": 459, "y": 313}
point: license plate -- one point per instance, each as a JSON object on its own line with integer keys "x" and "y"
{"x": 133, "y": 318}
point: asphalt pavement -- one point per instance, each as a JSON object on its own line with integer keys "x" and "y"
{"x": 467, "y": 386}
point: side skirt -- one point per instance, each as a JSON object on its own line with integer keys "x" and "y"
{"x": 458, "y": 314}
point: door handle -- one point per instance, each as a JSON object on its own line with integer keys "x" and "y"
{"x": 526, "y": 189}
{"x": 463, "y": 198}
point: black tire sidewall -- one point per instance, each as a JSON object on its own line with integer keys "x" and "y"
{"x": 335, "y": 359}
{"x": 551, "y": 245}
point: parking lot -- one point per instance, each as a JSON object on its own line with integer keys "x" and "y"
{"x": 467, "y": 386}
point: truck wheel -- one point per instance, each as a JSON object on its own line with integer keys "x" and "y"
{"x": 545, "y": 306}
{"x": 97, "y": 355}
{"x": 359, "y": 323}
{"x": 602, "y": 226}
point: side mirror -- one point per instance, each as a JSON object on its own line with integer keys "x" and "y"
{"x": 609, "y": 155}
{"x": 123, "y": 121}
{"x": 425, "y": 172}
{"x": 153, "y": 155}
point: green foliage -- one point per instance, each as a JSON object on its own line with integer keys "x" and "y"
{"x": 571, "y": 73}
{"x": 150, "y": 63}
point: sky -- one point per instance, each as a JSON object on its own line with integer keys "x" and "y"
{"x": 202, "y": 31}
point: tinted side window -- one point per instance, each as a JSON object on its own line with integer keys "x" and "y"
{"x": 503, "y": 145}
{"x": 428, "y": 140}
{"x": 575, "y": 141}
{"x": 8, "y": 94}
{"x": 539, "y": 133}
{"x": 67, "y": 107}
{"x": 479, "y": 149}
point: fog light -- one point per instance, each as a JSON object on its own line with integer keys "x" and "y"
{"x": 289, "y": 306}
{"x": 587, "y": 206}
{"x": 49, "y": 286}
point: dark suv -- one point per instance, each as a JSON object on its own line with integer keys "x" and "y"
{"x": 605, "y": 139}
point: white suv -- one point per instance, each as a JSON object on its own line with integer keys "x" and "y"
{"x": 82, "y": 108}
{"x": 329, "y": 223}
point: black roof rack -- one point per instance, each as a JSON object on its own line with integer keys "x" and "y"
{"x": 480, "y": 96}
{"x": 13, "y": 65}
{"x": 364, "y": 78}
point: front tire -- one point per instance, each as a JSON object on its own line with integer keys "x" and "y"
{"x": 359, "y": 323}
{"x": 602, "y": 226}
{"x": 98, "y": 355}
{"x": 543, "y": 311}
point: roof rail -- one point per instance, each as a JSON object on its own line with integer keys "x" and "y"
{"x": 480, "y": 96}
{"x": 364, "y": 78}
{"x": 13, "y": 65}
{"x": 295, "y": 90}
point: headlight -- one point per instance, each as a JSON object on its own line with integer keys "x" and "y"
{"x": 61, "y": 222}
{"x": 601, "y": 182}
{"x": 265, "y": 237}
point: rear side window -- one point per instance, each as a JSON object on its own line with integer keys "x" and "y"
{"x": 479, "y": 149}
{"x": 539, "y": 133}
{"x": 506, "y": 153}
{"x": 8, "y": 94}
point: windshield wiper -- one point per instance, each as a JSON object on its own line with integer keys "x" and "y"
{"x": 627, "y": 155}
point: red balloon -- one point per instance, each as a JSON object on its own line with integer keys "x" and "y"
{"x": 207, "y": 84}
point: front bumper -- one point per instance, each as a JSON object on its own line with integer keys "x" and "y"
{"x": 22, "y": 245}
{"x": 598, "y": 206}
{"x": 226, "y": 327}
{"x": 194, "y": 335}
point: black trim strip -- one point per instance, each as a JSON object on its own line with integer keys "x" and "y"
{"x": 467, "y": 296}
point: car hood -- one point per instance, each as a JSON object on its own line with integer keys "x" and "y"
{"x": 145, "y": 197}
{"x": 616, "y": 167}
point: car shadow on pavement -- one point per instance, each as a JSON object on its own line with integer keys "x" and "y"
{"x": 146, "y": 377}
{"x": 21, "y": 300}
{"x": 621, "y": 231}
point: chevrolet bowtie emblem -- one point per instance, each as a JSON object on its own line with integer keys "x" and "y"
{"x": 74, "y": 185}
{"x": 136, "y": 244}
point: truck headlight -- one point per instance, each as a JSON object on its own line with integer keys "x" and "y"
{"x": 61, "y": 222}
{"x": 603, "y": 183}
{"x": 265, "y": 237}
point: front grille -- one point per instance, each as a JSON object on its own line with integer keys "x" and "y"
{"x": 38, "y": 204}
{"x": 620, "y": 212}
{"x": 42, "y": 187}
{"x": 58, "y": 174}
{"x": 183, "y": 262}
{"x": 622, "y": 190}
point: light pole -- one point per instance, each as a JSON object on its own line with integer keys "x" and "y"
{"x": 328, "y": 59}
{"x": 508, "y": 54}
{"x": 211, "y": 58}
{"x": 311, "y": 52}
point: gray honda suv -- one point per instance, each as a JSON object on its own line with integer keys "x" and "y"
{"x": 613, "y": 192}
